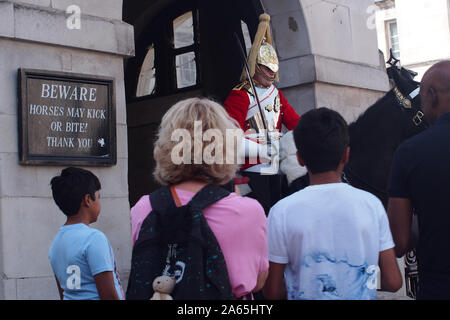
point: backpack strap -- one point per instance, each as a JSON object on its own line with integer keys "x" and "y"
{"x": 162, "y": 200}
{"x": 170, "y": 217}
{"x": 175, "y": 196}
{"x": 207, "y": 196}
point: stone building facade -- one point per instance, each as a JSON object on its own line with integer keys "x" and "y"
{"x": 328, "y": 57}
{"x": 419, "y": 31}
{"x": 34, "y": 35}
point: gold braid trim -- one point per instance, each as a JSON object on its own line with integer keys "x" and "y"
{"x": 245, "y": 85}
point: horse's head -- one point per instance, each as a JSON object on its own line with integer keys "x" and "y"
{"x": 406, "y": 92}
{"x": 378, "y": 132}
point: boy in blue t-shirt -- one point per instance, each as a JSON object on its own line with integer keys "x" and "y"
{"x": 81, "y": 257}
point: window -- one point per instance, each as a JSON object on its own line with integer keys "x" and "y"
{"x": 186, "y": 70}
{"x": 183, "y": 32}
{"x": 147, "y": 79}
{"x": 393, "y": 40}
{"x": 171, "y": 61}
{"x": 184, "y": 40}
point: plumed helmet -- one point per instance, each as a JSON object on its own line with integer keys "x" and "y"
{"x": 267, "y": 56}
{"x": 262, "y": 50}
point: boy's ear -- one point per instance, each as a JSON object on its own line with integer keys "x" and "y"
{"x": 346, "y": 156}
{"x": 300, "y": 160}
{"x": 86, "y": 200}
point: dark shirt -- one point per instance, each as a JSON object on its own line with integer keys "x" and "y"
{"x": 421, "y": 172}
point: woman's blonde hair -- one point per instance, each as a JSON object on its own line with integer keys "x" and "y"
{"x": 180, "y": 121}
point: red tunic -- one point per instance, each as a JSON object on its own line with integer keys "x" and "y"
{"x": 237, "y": 104}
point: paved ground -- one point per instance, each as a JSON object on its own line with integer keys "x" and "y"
{"x": 400, "y": 294}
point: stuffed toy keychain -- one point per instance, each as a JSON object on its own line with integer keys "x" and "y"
{"x": 163, "y": 286}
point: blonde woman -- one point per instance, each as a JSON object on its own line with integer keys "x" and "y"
{"x": 188, "y": 159}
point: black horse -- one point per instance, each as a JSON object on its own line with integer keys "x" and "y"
{"x": 377, "y": 133}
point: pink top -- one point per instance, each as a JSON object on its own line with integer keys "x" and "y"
{"x": 239, "y": 224}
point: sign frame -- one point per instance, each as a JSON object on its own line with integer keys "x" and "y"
{"x": 25, "y": 158}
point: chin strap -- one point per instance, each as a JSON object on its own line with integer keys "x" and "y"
{"x": 265, "y": 76}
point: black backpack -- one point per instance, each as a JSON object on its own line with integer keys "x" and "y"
{"x": 177, "y": 241}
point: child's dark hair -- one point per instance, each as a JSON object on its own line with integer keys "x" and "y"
{"x": 71, "y": 186}
{"x": 321, "y": 138}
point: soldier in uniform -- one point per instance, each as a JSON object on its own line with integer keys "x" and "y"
{"x": 241, "y": 104}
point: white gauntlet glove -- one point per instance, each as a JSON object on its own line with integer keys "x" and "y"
{"x": 252, "y": 150}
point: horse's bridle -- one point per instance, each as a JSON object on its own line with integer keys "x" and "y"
{"x": 406, "y": 102}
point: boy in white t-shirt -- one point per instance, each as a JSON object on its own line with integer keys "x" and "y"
{"x": 329, "y": 240}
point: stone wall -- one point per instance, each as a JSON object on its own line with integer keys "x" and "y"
{"x": 328, "y": 54}
{"x": 33, "y": 34}
{"x": 423, "y": 31}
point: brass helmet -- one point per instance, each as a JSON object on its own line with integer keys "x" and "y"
{"x": 262, "y": 50}
{"x": 267, "y": 56}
